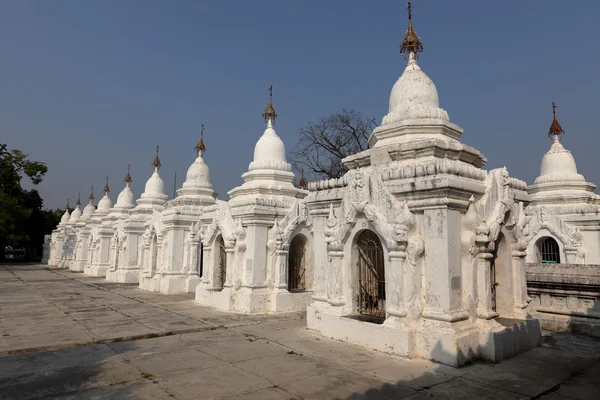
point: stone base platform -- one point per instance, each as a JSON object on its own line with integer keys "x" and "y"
{"x": 454, "y": 344}
{"x": 252, "y": 300}
{"x": 96, "y": 270}
{"x": 77, "y": 266}
{"x": 124, "y": 275}
{"x": 170, "y": 284}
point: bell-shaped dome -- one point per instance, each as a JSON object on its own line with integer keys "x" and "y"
{"x": 88, "y": 210}
{"x": 414, "y": 96}
{"x": 269, "y": 147}
{"x": 65, "y": 217}
{"x": 75, "y": 215}
{"x": 154, "y": 185}
{"x": 558, "y": 164}
{"x": 105, "y": 203}
{"x": 126, "y": 199}
{"x": 198, "y": 174}
{"x": 558, "y": 160}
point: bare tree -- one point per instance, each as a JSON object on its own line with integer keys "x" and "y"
{"x": 323, "y": 144}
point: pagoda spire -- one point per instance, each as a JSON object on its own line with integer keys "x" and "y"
{"x": 156, "y": 162}
{"x": 302, "y": 182}
{"x": 128, "y": 176}
{"x": 91, "y": 196}
{"x": 411, "y": 44}
{"x": 200, "y": 146}
{"x": 106, "y": 188}
{"x": 78, "y": 202}
{"x": 556, "y": 131}
{"x": 68, "y": 206}
{"x": 270, "y": 115}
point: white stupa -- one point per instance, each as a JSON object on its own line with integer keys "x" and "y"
{"x": 89, "y": 209}
{"x": 197, "y": 188}
{"x": 105, "y": 202}
{"x": 559, "y": 184}
{"x": 414, "y": 108}
{"x": 154, "y": 196}
{"x": 66, "y": 216}
{"x": 194, "y": 206}
{"x": 125, "y": 200}
{"x": 267, "y": 196}
{"x": 83, "y": 232}
{"x": 76, "y": 214}
{"x": 127, "y": 265}
{"x": 269, "y": 174}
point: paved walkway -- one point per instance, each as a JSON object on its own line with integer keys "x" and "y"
{"x": 67, "y": 336}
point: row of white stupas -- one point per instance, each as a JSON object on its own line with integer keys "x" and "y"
{"x": 417, "y": 250}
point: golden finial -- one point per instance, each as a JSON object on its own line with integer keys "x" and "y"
{"x": 555, "y": 129}
{"x": 156, "y": 162}
{"x": 270, "y": 110}
{"x": 128, "y": 176}
{"x": 302, "y": 182}
{"x": 91, "y": 196}
{"x": 78, "y": 202}
{"x": 68, "y": 207}
{"x": 200, "y": 147}
{"x": 106, "y": 188}
{"x": 412, "y": 43}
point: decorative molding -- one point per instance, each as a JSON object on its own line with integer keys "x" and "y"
{"x": 367, "y": 194}
{"x": 270, "y": 164}
{"x": 492, "y": 207}
{"x": 570, "y": 236}
{"x": 258, "y": 201}
{"x": 282, "y": 230}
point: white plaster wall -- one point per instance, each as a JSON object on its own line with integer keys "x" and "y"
{"x": 591, "y": 243}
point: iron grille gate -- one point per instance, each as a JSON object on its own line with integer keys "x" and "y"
{"x": 549, "y": 251}
{"x": 222, "y": 262}
{"x": 154, "y": 255}
{"x": 200, "y": 258}
{"x": 297, "y": 264}
{"x": 371, "y": 276}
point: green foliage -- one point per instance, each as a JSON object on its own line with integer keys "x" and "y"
{"x": 22, "y": 220}
{"x": 17, "y": 161}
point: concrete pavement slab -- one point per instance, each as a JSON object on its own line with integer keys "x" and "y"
{"x": 340, "y": 383}
{"x": 460, "y": 388}
{"x": 215, "y": 383}
{"x": 137, "y": 390}
{"x": 233, "y": 355}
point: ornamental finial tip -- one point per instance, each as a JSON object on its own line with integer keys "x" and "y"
{"x": 156, "y": 162}
{"x": 302, "y": 182}
{"x": 128, "y": 176}
{"x": 270, "y": 113}
{"x": 556, "y": 131}
{"x": 412, "y": 42}
{"x": 200, "y": 146}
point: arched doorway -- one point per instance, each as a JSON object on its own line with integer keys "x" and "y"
{"x": 297, "y": 264}
{"x": 500, "y": 277}
{"x": 116, "y": 250}
{"x": 153, "y": 255}
{"x": 222, "y": 263}
{"x": 371, "y": 276}
{"x": 549, "y": 251}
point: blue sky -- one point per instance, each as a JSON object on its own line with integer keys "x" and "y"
{"x": 91, "y": 86}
